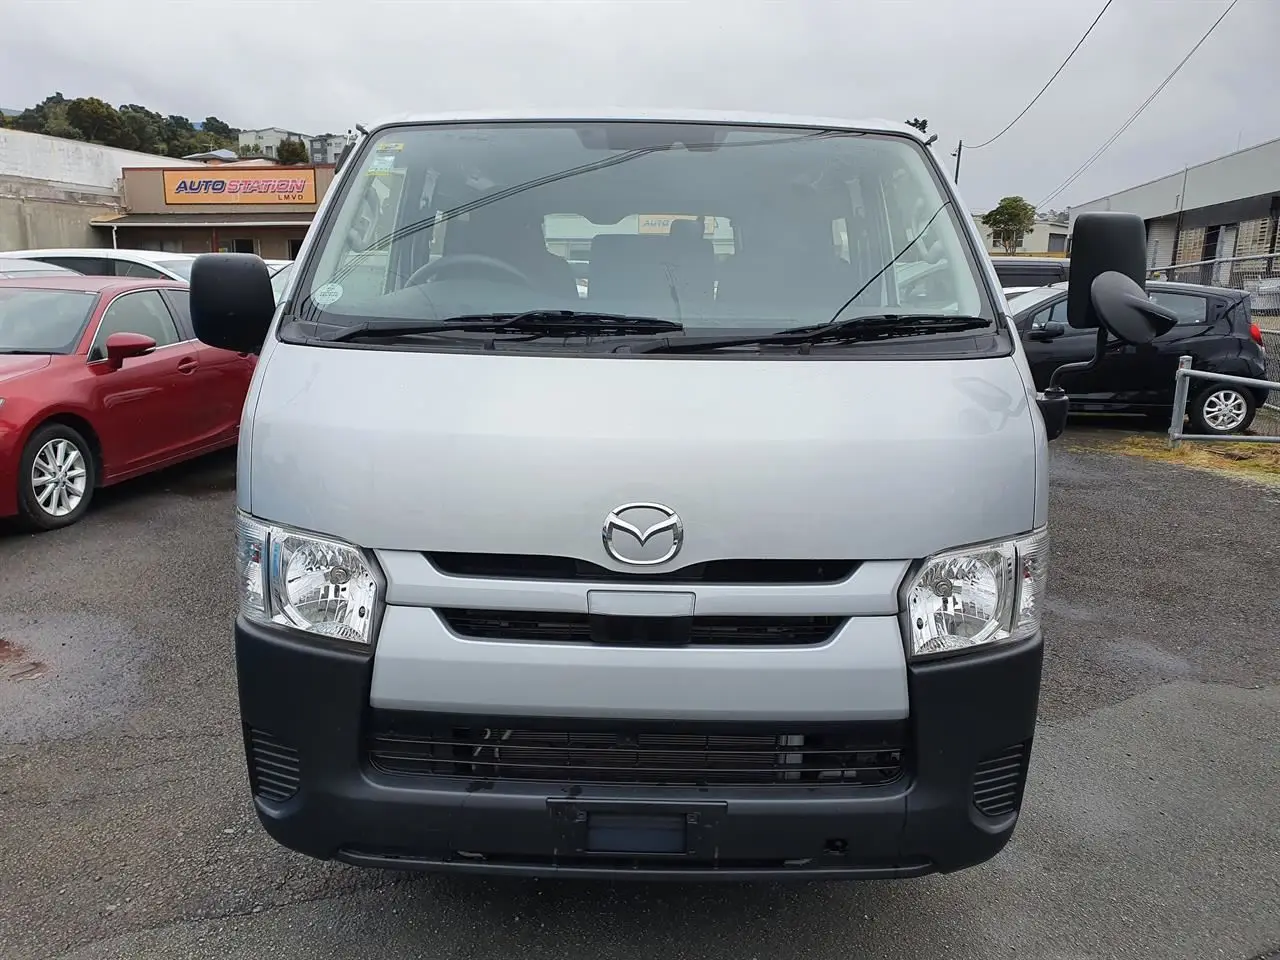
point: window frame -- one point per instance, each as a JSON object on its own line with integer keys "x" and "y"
{"x": 102, "y": 316}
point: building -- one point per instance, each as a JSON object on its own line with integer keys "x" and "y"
{"x": 1217, "y": 220}
{"x": 327, "y": 147}
{"x": 51, "y": 188}
{"x": 266, "y": 142}
{"x": 241, "y": 207}
{"x": 214, "y": 156}
{"x": 1047, "y": 237}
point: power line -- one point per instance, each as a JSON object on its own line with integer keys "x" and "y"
{"x": 1079, "y": 172}
{"x": 988, "y": 143}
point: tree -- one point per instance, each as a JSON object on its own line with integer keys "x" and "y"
{"x": 223, "y": 131}
{"x": 97, "y": 121}
{"x": 293, "y": 151}
{"x": 921, "y": 125}
{"x": 1010, "y": 220}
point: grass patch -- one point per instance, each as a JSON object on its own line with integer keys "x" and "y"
{"x": 1259, "y": 462}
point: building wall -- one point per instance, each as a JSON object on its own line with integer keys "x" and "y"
{"x": 1252, "y": 172}
{"x": 72, "y": 163}
{"x": 36, "y": 213}
{"x": 144, "y": 193}
{"x": 271, "y": 243}
{"x": 267, "y": 141}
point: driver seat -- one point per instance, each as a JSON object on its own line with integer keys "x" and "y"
{"x": 519, "y": 243}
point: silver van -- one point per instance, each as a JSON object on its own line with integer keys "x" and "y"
{"x": 728, "y": 563}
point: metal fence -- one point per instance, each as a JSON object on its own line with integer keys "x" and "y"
{"x": 1183, "y": 379}
{"x": 1258, "y": 276}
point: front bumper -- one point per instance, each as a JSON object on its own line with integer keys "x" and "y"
{"x": 306, "y": 713}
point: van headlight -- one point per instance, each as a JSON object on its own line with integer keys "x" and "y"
{"x": 310, "y": 583}
{"x": 977, "y": 596}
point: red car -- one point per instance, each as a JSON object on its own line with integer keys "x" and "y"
{"x": 102, "y": 379}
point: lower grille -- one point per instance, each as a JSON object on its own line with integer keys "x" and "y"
{"x": 273, "y": 768}
{"x": 647, "y": 758}
{"x": 577, "y": 628}
{"x": 998, "y": 781}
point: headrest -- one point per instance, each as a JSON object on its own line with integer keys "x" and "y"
{"x": 686, "y": 231}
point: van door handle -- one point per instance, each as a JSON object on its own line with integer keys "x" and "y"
{"x": 187, "y": 365}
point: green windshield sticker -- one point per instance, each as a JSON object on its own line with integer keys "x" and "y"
{"x": 327, "y": 294}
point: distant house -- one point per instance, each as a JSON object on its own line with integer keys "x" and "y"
{"x": 1048, "y": 236}
{"x": 214, "y": 156}
{"x": 266, "y": 142}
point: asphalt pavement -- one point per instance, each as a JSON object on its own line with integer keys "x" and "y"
{"x": 1150, "y": 827}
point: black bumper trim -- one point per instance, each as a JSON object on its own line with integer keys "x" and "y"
{"x": 314, "y": 699}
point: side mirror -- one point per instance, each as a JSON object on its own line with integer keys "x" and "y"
{"x": 122, "y": 346}
{"x": 232, "y": 302}
{"x": 1126, "y": 311}
{"x": 1050, "y": 331}
{"x": 1053, "y": 406}
{"x": 1103, "y": 242}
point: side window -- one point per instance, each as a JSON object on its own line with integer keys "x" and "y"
{"x": 125, "y": 268}
{"x": 143, "y": 312}
{"x": 1190, "y": 309}
{"x": 1055, "y": 314}
{"x": 180, "y": 301}
{"x": 89, "y": 266}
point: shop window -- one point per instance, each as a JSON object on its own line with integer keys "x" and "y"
{"x": 295, "y": 247}
{"x": 238, "y": 246}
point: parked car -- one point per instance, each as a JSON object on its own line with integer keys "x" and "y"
{"x": 1031, "y": 271}
{"x": 109, "y": 262}
{"x": 1215, "y": 328}
{"x": 15, "y": 267}
{"x": 102, "y": 379}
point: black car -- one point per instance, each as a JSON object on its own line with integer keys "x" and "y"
{"x": 1031, "y": 271}
{"x": 1215, "y": 328}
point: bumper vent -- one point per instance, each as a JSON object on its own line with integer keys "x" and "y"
{"x": 999, "y": 780}
{"x": 641, "y": 758}
{"x": 273, "y": 768}
{"x": 534, "y": 626}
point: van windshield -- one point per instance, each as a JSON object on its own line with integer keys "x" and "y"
{"x": 718, "y": 228}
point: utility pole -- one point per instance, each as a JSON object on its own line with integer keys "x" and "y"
{"x": 959, "y": 150}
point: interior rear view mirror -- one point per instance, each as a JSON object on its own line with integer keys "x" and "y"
{"x": 1127, "y": 312}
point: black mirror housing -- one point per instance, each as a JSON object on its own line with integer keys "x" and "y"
{"x": 1103, "y": 242}
{"x": 232, "y": 302}
{"x": 1053, "y": 406}
{"x": 1126, "y": 311}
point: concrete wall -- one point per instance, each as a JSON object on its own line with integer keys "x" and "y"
{"x": 36, "y": 213}
{"x": 72, "y": 162}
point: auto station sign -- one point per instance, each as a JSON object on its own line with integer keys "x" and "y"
{"x": 276, "y": 185}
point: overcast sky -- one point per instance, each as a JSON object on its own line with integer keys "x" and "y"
{"x": 967, "y": 65}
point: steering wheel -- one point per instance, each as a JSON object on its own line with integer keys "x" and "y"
{"x": 446, "y": 264}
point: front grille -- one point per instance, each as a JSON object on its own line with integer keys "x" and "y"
{"x": 273, "y": 768}
{"x": 638, "y": 757}
{"x": 536, "y": 626}
{"x": 998, "y": 781}
{"x": 506, "y": 566}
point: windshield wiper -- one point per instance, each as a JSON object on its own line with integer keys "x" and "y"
{"x": 853, "y": 330}
{"x": 538, "y": 323}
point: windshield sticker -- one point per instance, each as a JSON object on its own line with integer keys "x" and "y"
{"x": 383, "y": 165}
{"x": 327, "y": 294}
{"x": 390, "y": 147}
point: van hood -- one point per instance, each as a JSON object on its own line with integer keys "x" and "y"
{"x": 770, "y": 459}
{"x": 13, "y": 366}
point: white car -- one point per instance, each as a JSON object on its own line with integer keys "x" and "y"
{"x": 108, "y": 262}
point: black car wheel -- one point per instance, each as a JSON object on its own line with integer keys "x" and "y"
{"x": 56, "y": 476}
{"x": 1221, "y": 409}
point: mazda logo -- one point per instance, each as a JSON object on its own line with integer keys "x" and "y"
{"x": 643, "y": 534}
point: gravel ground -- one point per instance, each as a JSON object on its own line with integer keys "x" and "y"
{"x": 1149, "y": 829}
